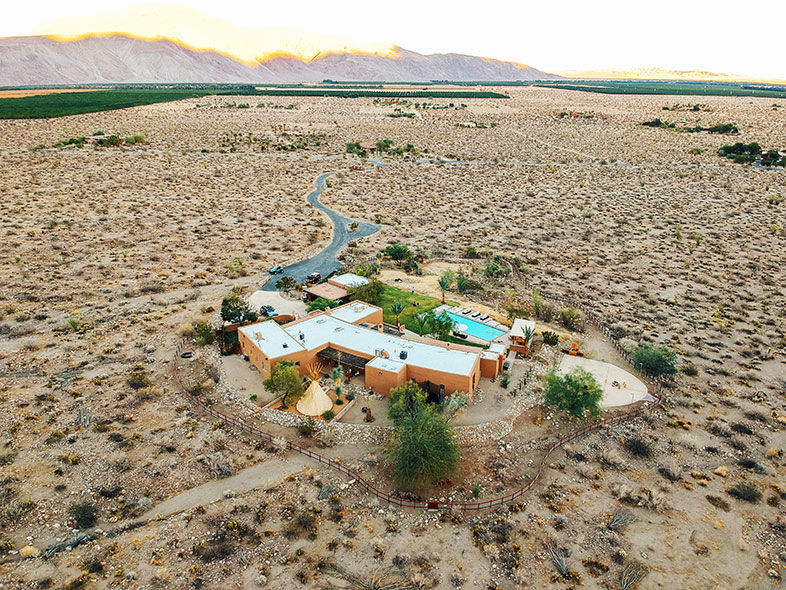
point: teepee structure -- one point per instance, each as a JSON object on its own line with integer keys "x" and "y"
{"x": 315, "y": 401}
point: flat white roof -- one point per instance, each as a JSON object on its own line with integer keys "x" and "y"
{"x": 353, "y": 312}
{"x": 349, "y": 279}
{"x": 497, "y": 347}
{"x": 271, "y": 339}
{"x": 324, "y": 329}
{"x": 383, "y": 364}
{"x": 519, "y": 325}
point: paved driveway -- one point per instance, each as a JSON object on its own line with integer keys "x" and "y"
{"x": 325, "y": 262}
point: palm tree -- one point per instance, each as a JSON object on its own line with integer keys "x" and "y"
{"x": 444, "y": 284}
{"x": 528, "y": 334}
{"x": 397, "y": 308}
{"x": 420, "y": 321}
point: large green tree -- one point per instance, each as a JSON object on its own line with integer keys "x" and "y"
{"x": 577, "y": 392}
{"x": 404, "y": 400}
{"x": 285, "y": 380}
{"x": 422, "y": 449}
{"x": 370, "y": 292}
{"x": 235, "y": 309}
{"x": 398, "y": 252}
{"x": 654, "y": 360}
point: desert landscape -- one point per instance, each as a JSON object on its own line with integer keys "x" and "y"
{"x": 113, "y": 477}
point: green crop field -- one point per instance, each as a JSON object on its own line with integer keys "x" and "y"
{"x": 374, "y": 93}
{"x": 76, "y": 103}
{"x": 682, "y": 88}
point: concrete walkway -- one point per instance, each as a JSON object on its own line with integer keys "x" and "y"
{"x": 261, "y": 475}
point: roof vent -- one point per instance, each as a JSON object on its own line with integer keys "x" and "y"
{"x": 285, "y": 345}
{"x": 302, "y": 336}
{"x": 402, "y": 355}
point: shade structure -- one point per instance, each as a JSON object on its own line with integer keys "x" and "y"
{"x": 315, "y": 401}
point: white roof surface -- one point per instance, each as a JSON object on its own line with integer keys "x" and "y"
{"x": 271, "y": 339}
{"x": 383, "y": 364}
{"x": 519, "y": 325}
{"x": 497, "y": 347}
{"x": 353, "y": 312}
{"x": 328, "y": 329}
{"x": 349, "y": 280}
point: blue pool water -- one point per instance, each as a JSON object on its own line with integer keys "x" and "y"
{"x": 473, "y": 328}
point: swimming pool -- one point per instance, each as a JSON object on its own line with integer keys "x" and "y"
{"x": 473, "y": 328}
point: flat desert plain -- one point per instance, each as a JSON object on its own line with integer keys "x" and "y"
{"x": 110, "y": 254}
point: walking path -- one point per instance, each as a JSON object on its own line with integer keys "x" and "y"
{"x": 261, "y": 475}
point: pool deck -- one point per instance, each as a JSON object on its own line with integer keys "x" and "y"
{"x": 489, "y": 321}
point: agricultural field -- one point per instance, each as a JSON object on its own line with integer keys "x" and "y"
{"x": 116, "y": 259}
{"x": 679, "y": 88}
{"x": 59, "y": 104}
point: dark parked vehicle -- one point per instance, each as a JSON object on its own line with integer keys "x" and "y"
{"x": 267, "y": 311}
{"x": 276, "y": 270}
{"x": 314, "y": 277}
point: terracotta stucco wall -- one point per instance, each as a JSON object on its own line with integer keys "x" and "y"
{"x": 383, "y": 381}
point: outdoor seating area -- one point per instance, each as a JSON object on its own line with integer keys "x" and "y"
{"x": 474, "y": 326}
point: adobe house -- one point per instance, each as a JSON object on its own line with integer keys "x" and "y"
{"x": 336, "y": 287}
{"x": 351, "y": 335}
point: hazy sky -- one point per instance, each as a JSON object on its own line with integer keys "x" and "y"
{"x": 718, "y": 35}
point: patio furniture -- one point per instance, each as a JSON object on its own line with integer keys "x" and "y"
{"x": 476, "y": 314}
{"x": 466, "y": 311}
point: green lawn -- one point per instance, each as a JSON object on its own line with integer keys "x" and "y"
{"x": 392, "y": 294}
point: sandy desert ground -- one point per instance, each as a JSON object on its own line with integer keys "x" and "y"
{"x": 110, "y": 253}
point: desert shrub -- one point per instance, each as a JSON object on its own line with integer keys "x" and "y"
{"x": 138, "y": 379}
{"x": 466, "y": 285}
{"x": 741, "y": 428}
{"x": 638, "y": 447}
{"x": 745, "y": 491}
{"x": 370, "y": 292}
{"x": 656, "y": 361}
{"x": 718, "y": 502}
{"x": 320, "y": 303}
{"x": 329, "y": 415}
{"x": 84, "y": 514}
{"x": 214, "y": 549}
{"x": 690, "y": 370}
{"x": 204, "y": 334}
{"x": 577, "y": 392}
{"x": 134, "y": 139}
{"x": 751, "y": 464}
{"x": 643, "y": 497}
{"x": 111, "y": 141}
{"x": 550, "y": 338}
{"x": 7, "y": 457}
{"x": 571, "y": 319}
{"x": 504, "y": 379}
{"x": 306, "y": 427}
{"x": 619, "y": 519}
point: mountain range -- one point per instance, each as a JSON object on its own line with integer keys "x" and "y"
{"x": 119, "y": 58}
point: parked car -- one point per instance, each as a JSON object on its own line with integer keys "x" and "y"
{"x": 268, "y": 311}
{"x": 314, "y": 277}
{"x": 276, "y": 270}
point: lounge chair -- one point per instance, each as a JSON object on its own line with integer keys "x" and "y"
{"x": 475, "y": 315}
{"x": 484, "y": 317}
{"x": 466, "y": 311}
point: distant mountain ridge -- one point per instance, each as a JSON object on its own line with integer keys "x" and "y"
{"x": 116, "y": 58}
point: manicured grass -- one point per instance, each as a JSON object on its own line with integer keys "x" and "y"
{"x": 44, "y": 106}
{"x": 392, "y": 294}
